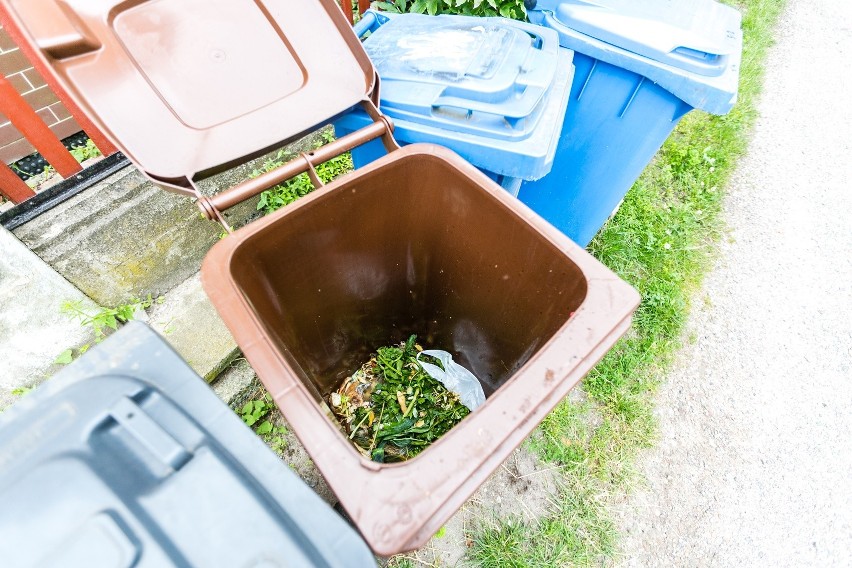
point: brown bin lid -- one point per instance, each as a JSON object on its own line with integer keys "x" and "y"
{"x": 189, "y": 86}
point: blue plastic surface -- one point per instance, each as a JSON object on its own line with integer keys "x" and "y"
{"x": 127, "y": 459}
{"x": 483, "y": 76}
{"x": 691, "y": 48}
{"x": 623, "y": 105}
{"x": 493, "y": 90}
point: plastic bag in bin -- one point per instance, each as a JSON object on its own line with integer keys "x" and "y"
{"x": 454, "y": 377}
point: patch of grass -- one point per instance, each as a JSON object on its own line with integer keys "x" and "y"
{"x": 105, "y": 319}
{"x": 400, "y": 562}
{"x": 564, "y": 436}
{"x": 299, "y": 186}
{"x": 662, "y": 242}
{"x": 102, "y": 322}
{"x": 579, "y": 532}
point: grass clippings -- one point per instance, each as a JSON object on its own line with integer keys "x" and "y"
{"x": 391, "y": 408}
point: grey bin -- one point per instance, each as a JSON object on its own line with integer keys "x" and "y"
{"x": 127, "y": 459}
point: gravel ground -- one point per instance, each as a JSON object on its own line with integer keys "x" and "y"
{"x": 754, "y": 462}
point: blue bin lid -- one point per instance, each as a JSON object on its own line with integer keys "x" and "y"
{"x": 493, "y": 90}
{"x": 126, "y": 458}
{"x": 484, "y": 76}
{"x": 692, "y": 48}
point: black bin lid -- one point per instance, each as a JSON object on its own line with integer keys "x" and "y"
{"x": 127, "y": 458}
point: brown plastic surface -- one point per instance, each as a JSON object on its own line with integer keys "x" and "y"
{"x": 417, "y": 242}
{"x": 185, "y": 87}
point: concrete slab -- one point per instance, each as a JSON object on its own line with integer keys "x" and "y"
{"x": 233, "y": 383}
{"x": 188, "y": 321}
{"x": 126, "y": 237}
{"x": 32, "y": 329}
{"x": 122, "y": 238}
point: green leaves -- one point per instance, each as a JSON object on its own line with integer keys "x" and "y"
{"x": 254, "y": 410}
{"x": 392, "y": 409}
{"x": 65, "y": 357}
{"x": 299, "y": 186}
{"x": 102, "y": 322}
{"x": 396, "y": 7}
{"x": 507, "y": 8}
{"x": 106, "y": 318}
{"x": 257, "y": 414}
{"x": 387, "y": 7}
{"x": 83, "y": 153}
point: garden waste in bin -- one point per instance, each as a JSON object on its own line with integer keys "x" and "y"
{"x": 417, "y": 242}
{"x": 641, "y": 65}
{"x": 127, "y": 458}
{"x": 491, "y": 89}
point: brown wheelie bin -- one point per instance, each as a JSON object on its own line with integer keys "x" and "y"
{"x": 417, "y": 242}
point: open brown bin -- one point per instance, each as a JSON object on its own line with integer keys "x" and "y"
{"x": 418, "y": 242}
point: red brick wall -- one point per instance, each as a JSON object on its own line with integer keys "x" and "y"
{"x": 31, "y": 85}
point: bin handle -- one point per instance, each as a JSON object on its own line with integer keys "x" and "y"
{"x": 381, "y": 127}
{"x": 370, "y": 21}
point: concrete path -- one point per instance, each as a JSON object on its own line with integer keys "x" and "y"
{"x": 33, "y": 331}
{"x": 754, "y": 465}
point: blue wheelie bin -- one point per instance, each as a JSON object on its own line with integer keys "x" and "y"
{"x": 491, "y": 89}
{"x": 641, "y": 65}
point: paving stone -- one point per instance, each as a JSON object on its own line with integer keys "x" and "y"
{"x": 188, "y": 321}
{"x": 125, "y": 237}
{"x": 231, "y": 385}
{"x": 32, "y": 329}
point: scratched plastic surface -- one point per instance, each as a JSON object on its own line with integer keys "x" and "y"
{"x": 491, "y": 89}
{"x": 452, "y": 51}
{"x": 126, "y": 459}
